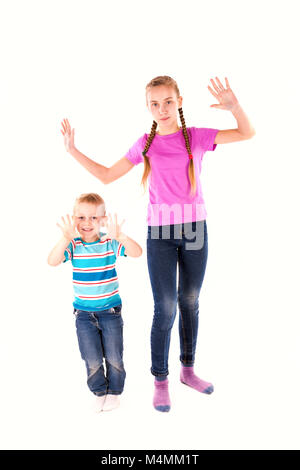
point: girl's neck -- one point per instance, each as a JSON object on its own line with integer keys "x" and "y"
{"x": 167, "y": 131}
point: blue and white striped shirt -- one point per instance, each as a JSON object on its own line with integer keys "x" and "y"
{"x": 95, "y": 279}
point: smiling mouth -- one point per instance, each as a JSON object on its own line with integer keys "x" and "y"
{"x": 87, "y": 229}
{"x": 164, "y": 119}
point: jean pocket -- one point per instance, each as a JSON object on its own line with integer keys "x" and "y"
{"x": 117, "y": 310}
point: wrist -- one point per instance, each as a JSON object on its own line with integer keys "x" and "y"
{"x": 66, "y": 240}
{"x": 122, "y": 238}
{"x": 72, "y": 149}
{"x": 236, "y": 108}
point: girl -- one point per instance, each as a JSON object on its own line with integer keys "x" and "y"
{"x": 177, "y": 230}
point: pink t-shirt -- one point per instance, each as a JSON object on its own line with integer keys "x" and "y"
{"x": 169, "y": 186}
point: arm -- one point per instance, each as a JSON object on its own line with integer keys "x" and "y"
{"x": 104, "y": 174}
{"x": 69, "y": 231}
{"x": 56, "y": 256}
{"x": 227, "y": 100}
{"x": 132, "y": 248}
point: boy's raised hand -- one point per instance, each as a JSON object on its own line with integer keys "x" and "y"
{"x": 68, "y": 228}
{"x": 113, "y": 229}
{"x": 225, "y": 96}
{"x": 68, "y": 134}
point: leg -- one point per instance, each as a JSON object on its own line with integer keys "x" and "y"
{"x": 162, "y": 258}
{"x": 91, "y": 350}
{"x": 192, "y": 264}
{"x": 111, "y": 325}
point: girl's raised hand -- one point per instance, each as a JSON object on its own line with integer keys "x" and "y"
{"x": 68, "y": 228}
{"x": 113, "y": 229}
{"x": 68, "y": 134}
{"x": 225, "y": 96}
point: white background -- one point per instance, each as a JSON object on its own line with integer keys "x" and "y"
{"x": 90, "y": 61}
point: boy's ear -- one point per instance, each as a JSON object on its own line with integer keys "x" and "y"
{"x": 103, "y": 220}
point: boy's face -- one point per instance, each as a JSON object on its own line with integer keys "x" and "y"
{"x": 88, "y": 219}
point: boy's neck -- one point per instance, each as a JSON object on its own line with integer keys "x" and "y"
{"x": 94, "y": 239}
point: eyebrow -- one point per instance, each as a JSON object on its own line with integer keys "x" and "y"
{"x": 155, "y": 101}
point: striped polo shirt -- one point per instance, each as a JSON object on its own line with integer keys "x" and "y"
{"x": 95, "y": 279}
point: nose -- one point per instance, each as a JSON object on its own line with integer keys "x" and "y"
{"x": 162, "y": 109}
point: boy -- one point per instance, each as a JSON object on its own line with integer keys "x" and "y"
{"x": 97, "y": 304}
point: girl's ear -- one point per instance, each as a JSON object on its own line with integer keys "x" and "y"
{"x": 180, "y": 101}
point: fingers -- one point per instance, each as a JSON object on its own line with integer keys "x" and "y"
{"x": 214, "y": 85}
{"x": 227, "y": 82}
{"x": 218, "y": 88}
{"x": 69, "y": 222}
{"x": 220, "y": 84}
{"x": 114, "y": 221}
{"x": 66, "y": 127}
{"x": 212, "y": 92}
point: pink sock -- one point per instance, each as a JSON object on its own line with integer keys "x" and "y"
{"x": 188, "y": 377}
{"x": 161, "y": 399}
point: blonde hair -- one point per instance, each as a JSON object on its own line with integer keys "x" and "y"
{"x": 168, "y": 81}
{"x": 91, "y": 198}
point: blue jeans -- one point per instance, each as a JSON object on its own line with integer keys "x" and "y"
{"x": 100, "y": 336}
{"x": 164, "y": 253}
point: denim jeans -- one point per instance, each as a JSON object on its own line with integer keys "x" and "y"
{"x": 100, "y": 336}
{"x": 164, "y": 253}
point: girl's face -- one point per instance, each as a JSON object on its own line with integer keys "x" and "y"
{"x": 163, "y": 103}
{"x": 88, "y": 219}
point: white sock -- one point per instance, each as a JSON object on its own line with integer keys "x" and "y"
{"x": 99, "y": 402}
{"x": 111, "y": 402}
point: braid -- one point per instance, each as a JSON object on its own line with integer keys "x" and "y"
{"x": 150, "y": 138}
{"x": 191, "y": 168}
{"x": 147, "y": 167}
{"x": 185, "y": 134}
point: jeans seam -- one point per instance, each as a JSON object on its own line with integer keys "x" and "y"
{"x": 183, "y": 335}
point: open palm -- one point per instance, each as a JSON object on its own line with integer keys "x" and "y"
{"x": 68, "y": 134}
{"x": 68, "y": 228}
{"x": 225, "y": 96}
{"x": 113, "y": 229}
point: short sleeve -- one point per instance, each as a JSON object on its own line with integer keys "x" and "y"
{"x": 118, "y": 248}
{"x": 206, "y": 137}
{"x": 68, "y": 253}
{"x": 134, "y": 154}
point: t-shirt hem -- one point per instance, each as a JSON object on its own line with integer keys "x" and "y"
{"x": 96, "y": 309}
